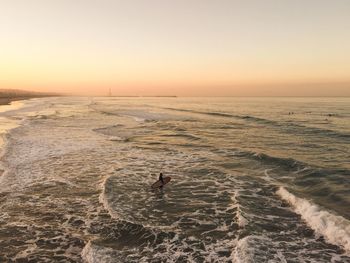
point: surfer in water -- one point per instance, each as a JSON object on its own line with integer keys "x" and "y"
{"x": 161, "y": 179}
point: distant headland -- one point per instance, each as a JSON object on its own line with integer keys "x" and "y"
{"x": 9, "y": 95}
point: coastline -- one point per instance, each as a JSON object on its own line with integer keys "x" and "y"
{"x": 8, "y": 100}
{"x": 5, "y": 129}
{"x": 9, "y": 95}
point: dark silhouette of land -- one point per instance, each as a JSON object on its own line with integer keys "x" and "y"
{"x": 9, "y": 95}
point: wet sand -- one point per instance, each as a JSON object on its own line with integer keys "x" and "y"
{"x": 7, "y": 96}
{"x": 6, "y": 101}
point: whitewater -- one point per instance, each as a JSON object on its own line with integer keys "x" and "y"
{"x": 253, "y": 180}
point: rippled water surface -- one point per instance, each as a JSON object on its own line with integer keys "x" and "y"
{"x": 253, "y": 180}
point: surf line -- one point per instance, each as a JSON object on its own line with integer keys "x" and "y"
{"x": 335, "y": 229}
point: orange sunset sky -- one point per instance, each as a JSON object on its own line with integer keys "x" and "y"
{"x": 178, "y": 47}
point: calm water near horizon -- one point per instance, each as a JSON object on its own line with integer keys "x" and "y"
{"x": 253, "y": 180}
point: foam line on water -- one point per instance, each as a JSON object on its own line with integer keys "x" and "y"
{"x": 241, "y": 220}
{"x": 335, "y": 229}
{"x": 103, "y": 200}
{"x": 245, "y": 249}
{"x": 92, "y": 254}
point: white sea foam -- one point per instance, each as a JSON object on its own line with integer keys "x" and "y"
{"x": 144, "y": 115}
{"x": 335, "y": 229}
{"x": 115, "y": 138}
{"x": 241, "y": 220}
{"x": 14, "y": 105}
{"x": 103, "y": 200}
{"x": 201, "y": 216}
{"x": 94, "y": 254}
{"x": 243, "y": 251}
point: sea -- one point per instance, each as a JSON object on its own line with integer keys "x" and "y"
{"x": 252, "y": 179}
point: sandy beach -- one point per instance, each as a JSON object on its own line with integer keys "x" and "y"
{"x": 8, "y": 95}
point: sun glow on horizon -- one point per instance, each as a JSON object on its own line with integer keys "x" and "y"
{"x": 176, "y": 48}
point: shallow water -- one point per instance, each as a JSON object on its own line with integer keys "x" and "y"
{"x": 253, "y": 180}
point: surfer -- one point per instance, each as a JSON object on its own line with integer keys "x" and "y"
{"x": 161, "y": 179}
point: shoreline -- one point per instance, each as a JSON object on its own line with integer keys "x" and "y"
{"x": 9, "y": 95}
{"x": 8, "y": 100}
{"x": 4, "y": 101}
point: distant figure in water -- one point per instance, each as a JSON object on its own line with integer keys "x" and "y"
{"x": 161, "y": 179}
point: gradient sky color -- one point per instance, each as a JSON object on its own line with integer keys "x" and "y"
{"x": 181, "y": 47}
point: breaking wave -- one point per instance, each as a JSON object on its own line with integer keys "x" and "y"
{"x": 335, "y": 229}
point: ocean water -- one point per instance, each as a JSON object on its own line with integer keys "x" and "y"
{"x": 253, "y": 180}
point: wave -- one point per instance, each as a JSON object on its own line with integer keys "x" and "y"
{"x": 220, "y": 114}
{"x": 289, "y": 127}
{"x": 260, "y": 120}
{"x": 307, "y": 130}
{"x": 109, "y": 130}
{"x": 241, "y": 220}
{"x": 335, "y": 229}
{"x": 303, "y": 171}
{"x": 228, "y": 115}
{"x": 245, "y": 250}
{"x": 92, "y": 253}
{"x": 327, "y": 185}
{"x": 289, "y": 163}
{"x": 182, "y": 135}
{"x": 104, "y": 201}
{"x": 114, "y": 133}
{"x": 139, "y": 115}
{"x": 298, "y": 128}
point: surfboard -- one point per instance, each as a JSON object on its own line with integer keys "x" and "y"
{"x": 159, "y": 183}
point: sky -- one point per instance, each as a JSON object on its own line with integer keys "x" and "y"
{"x": 177, "y": 47}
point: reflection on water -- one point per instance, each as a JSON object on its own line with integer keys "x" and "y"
{"x": 251, "y": 182}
